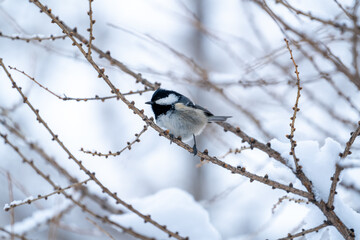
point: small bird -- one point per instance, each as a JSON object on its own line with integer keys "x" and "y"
{"x": 181, "y": 116}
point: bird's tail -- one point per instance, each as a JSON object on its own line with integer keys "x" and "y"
{"x": 218, "y": 118}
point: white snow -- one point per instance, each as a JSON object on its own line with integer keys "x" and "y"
{"x": 7, "y": 206}
{"x": 319, "y": 166}
{"x": 283, "y": 149}
{"x": 348, "y": 216}
{"x": 175, "y": 208}
{"x": 318, "y": 163}
{"x": 171, "y": 99}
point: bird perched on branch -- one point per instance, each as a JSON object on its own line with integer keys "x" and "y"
{"x": 180, "y": 116}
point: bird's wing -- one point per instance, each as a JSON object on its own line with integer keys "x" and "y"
{"x": 188, "y": 102}
{"x": 207, "y": 112}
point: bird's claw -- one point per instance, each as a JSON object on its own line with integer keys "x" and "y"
{"x": 172, "y": 137}
{"x": 195, "y": 151}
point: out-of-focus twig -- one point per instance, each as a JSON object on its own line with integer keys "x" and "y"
{"x": 100, "y": 228}
{"x": 22, "y": 237}
{"x": 286, "y": 197}
{"x": 11, "y": 198}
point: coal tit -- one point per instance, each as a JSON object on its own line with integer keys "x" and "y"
{"x": 181, "y": 116}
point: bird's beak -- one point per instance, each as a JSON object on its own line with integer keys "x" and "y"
{"x": 149, "y": 102}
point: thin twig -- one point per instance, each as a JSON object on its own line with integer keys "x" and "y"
{"x": 31, "y": 200}
{"x": 289, "y": 199}
{"x": 114, "y": 154}
{"x": 90, "y": 29}
{"x": 36, "y": 38}
{"x": 296, "y": 109}
{"x": 343, "y": 9}
{"x": 22, "y": 237}
{"x": 100, "y": 228}
{"x": 351, "y": 187}
{"x": 11, "y": 198}
{"x": 303, "y": 232}
{"x": 332, "y": 23}
{"x": 235, "y": 151}
{"x": 140, "y": 92}
{"x": 336, "y": 177}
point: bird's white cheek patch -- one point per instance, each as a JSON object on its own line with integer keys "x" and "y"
{"x": 172, "y": 98}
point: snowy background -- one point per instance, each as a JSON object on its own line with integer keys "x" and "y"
{"x": 240, "y": 50}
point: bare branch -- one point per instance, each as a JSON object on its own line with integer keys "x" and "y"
{"x": 304, "y": 232}
{"x": 90, "y": 29}
{"x": 35, "y": 38}
{"x": 296, "y": 109}
{"x": 114, "y": 154}
{"x": 31, "y": 200}
{"x": 336, "y": 177}
{"x": 100, "y": 228}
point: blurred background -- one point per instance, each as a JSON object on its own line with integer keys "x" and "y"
{"x": 228, "y": 56}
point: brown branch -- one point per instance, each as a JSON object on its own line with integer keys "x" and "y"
{"x": 90, "y": 29}
{"x": 140, "y": 92}
{"x": 318, "y": 46}
{"x": 343, "y": 9}
{"x": 253, "y": 142}
{"x": 336, "y": 177}
{"x": 29, "y": 201}
{"x": 33, "y": 79}
{"x": 296, "y": 109}
{"x": 334, "y": 24}
{"x": 235, "y": 151}
{"x": 114, "y": 154}
{"x": 289, "y": 199}
{"x": 304, "y": 232}
{"x": 327, "y": 77}
{"x": 100, "y": 228}
{"x": 355, "y": 39}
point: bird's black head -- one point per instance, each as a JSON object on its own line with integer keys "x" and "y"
{"x": 163, "y": 101}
